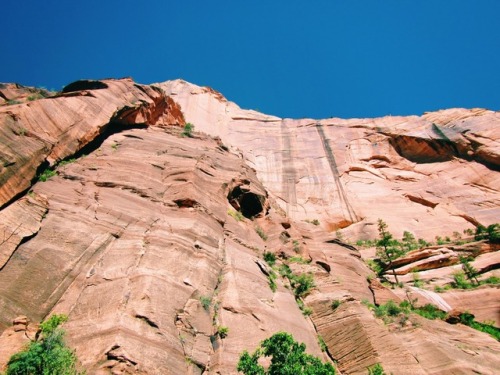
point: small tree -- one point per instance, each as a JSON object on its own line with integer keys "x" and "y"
{"x": 388, "y": 248}
{"x": 288, "y": 357}
{"x": 47, "y": 355}
{"x": 188, "y": 130}
{"x": 469, "y": 270}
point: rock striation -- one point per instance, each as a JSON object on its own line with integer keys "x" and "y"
{"x": 152, "y": 240}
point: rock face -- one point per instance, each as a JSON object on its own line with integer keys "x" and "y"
{"x": 152, "y": 242}
{"x": 429, "y": 175}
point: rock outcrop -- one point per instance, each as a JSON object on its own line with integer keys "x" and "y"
{"x": 152, "y": 242}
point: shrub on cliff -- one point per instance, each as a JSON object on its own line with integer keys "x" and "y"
{"x": 288, "y": 357}
{"x": 48, "y": 355}
{"x": 188, "y": 130}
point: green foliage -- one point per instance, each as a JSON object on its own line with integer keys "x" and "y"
{"x": 335, "y": 304}
{"x": 299, "y": 259}
{"x": 236, "y": 215}
{"x": 270, "y": 258}
{"x": 460, "y": 281}
{"x": 388, "y": 249}
{"x": 285, "y": 271}
{"x": 49, "y": 326}
{"x": 366, "y": 243}
{"x": 188, "y": 130}
{"x": 306, "y": 311}
{"x": 287, "y": 358}
{"x": 46, "y": 175}
{"x": 272, "y": 281}
{"x": 390, "y": 310}
{"x": 490, "y": 233}
{"x": 376, "y": 370}
{"x": 302, "y": 284}
{"x": 35, "y": 97}
{"x": 322, "y": 344}
{"x": 222, "y": 331}
{"x": 11, "y": 102}
{"x": 205, "y": 302}
{"x": 261, "y": 233}
{"x": 296, "y": 246}
{"x": 408, "y": 242}
{"x": 416, "y": 280}
{"x": 468, "y": 319}
{"x": 66, "y": 162}
{"x": 430, "y": 311}
{"x": 469, "y": 270}
{"x": 491, "y": 280}
{"x": 49, "y": 355}
{"x": 375, "y": 266}
{"x": 423, "y": 243}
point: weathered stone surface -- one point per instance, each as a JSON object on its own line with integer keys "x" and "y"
{"x": 138, "y": 241}
{"x": 430, "y": 175}
{"x": 49, "y": 130}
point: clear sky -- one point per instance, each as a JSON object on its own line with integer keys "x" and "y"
{"x": 318, "y": 58}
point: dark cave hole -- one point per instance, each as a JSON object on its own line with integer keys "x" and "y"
{"x": 250, "y": 205}
{"x": 84, "y": 85}
{"x": 246, "y": 202}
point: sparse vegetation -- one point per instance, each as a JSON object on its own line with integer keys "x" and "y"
{"x": 188, "y": 130}
{"x": 416, "y": 280}
{"x": 47, "y": 355}
{"x": 261, "y": 233}
{"x": 222, "y": 331}
{"x": 335, "y": 304}
{"x": 296, "y": 246}
{"x": 236, "y": 215}
{"x": 322, "y": 344}
{"x": 388, "y": 249}
{"x": 468, "y": 319}
{"x": 270, "y": 258}
{"x": 299, "y": 259}
{"x": 376, "y": 369}
{"x": 490, "y": 233}
{"x": 390, "y": 310}
{"x": 206, "y": 302}
{"x": 313, "y": 222}
{"x": 287, "y": 357}
{"x": 46, "y": 174}
{"x": 272, "y": 281}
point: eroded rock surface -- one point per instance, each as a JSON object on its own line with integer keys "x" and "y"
{"x": 428, "y": 175}
{"x": 152, "y": 242}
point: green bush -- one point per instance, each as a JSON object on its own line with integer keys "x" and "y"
{"x": 430, "y": 311}
{"x": 222, "y": 331}
{"x": 468, "y": 319}
{"x": 272, "y": 281}
{"x": 270, "y": 258}
{"x": 48, "y": 355}
{"x": 302, "y": 284}
{"x": 287, "y": 358}
{"x": 188, "y": 130}
{"x": 376, "y": 370}
{"x": 205, "y": 302}
{"x": 46, "y": 175}
{"x": 322, "y": 344}
{"x": 335, "y": 304}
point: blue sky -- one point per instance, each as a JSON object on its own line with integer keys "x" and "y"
{"x": 319, "y": 59}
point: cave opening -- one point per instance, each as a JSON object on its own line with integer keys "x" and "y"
{"x": 248, "y": 203}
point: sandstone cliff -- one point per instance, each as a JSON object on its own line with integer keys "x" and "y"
{"x": 151, "y": 241}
